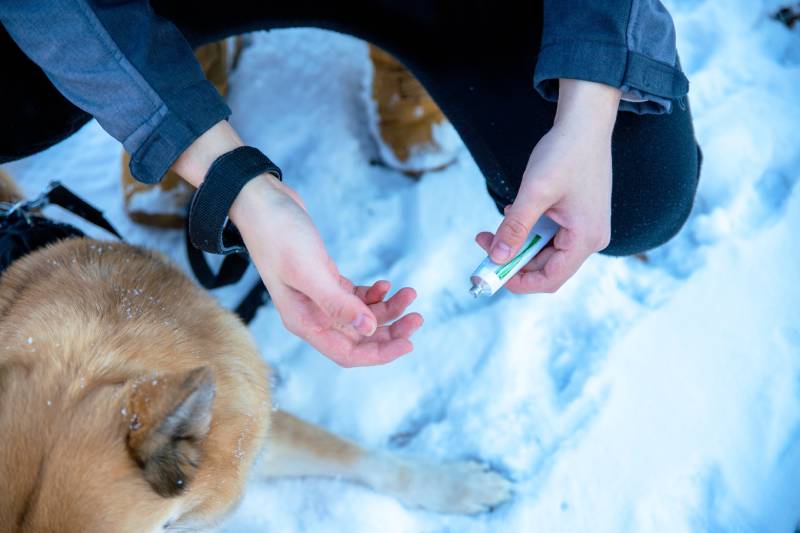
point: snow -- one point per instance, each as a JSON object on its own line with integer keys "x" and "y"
{"x": 657, "y": 396}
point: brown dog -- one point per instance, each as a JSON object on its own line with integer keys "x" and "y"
{"x": 131, "y": 401}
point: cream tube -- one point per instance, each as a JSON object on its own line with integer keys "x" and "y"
{"x": 489, "y": 276}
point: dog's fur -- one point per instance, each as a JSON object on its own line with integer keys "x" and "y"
{"x": 131, "y": 401}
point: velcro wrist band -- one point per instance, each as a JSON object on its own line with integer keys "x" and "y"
{"x": 209, "y": 227}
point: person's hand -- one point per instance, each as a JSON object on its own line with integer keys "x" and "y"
{"x": 568, "y": 178}
{"x": 352, "y": 325}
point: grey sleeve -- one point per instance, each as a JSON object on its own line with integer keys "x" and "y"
{"x": 129, "y": 68}
{"x": 628, "y": 44}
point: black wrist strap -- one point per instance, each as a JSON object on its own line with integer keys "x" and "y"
{"x": 209, "y": 228}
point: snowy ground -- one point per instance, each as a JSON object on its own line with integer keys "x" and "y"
{"x": 660, "y": 396}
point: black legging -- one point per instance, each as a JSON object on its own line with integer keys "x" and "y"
{"x": 476, "y": 58}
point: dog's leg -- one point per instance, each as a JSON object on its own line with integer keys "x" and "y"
{"x": 9, "y": 192}
{"x": 296, "y": 448}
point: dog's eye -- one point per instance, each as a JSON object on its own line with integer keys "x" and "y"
{"x": 167, "y": 524}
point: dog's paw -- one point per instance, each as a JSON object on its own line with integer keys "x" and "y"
{"x": 464, "y": 487}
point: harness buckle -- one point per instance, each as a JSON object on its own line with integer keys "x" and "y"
{"x": 23, "y": 208}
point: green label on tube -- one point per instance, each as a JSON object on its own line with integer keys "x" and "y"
{"x": 503, "y": 271}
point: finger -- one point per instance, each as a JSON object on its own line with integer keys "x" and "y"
{"x": 406, "y": 326}
{"x": 385, "y": 345}
{"x": 403, "y": 328}
{"x": 343, "y": 351}
{"x": 369, "y": 294}
{"x": 530, "y": 204}
{"x": 340, "y": 345}
{"x": 393, "y": 307}
{"x": 527, "y": 282}
{"x": 374, "y": 293}
{"x": 561, "y": 261}
{"x": 566, "y": 239}
{"x": 484, "y": 240}
{"x": 379, "y": 353}
{"x": 561, "y": 266}
{"x": 343, "y": 306}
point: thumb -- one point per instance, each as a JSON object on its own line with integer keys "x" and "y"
{"x": 517, "y": 224}
{"x": 341, "y": 305}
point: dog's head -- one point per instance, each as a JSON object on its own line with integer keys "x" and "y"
{"x": 106, "y": 454}
{"x": 91, "y": 439}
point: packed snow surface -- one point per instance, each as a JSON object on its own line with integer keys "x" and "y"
{"x": 645, "y": 396}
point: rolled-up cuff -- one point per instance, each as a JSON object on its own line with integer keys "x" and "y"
{"x": 656, "y": 83}
{"x": 185, "y": 116}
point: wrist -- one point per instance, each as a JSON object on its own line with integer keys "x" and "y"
{"x": 253, "y": 200}
{"x": 194, "y": 162}
{"x": 586, "y": 108}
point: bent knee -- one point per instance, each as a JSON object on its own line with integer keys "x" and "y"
{"x": 642, "y": 222}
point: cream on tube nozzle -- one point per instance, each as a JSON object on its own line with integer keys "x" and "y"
{"x": 489, "y": 276}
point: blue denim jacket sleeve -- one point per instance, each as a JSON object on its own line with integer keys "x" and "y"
{"x": 628, "y": 44}
{"x": 129, "y": 68}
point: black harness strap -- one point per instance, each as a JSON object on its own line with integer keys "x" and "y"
{"x": 59, "y": 195}
{"x": 208, "y": 224}
{"x": 230, "y": 271}
{"x": 209, "y": 229}
{"x": 23, "y": 229}
{"x": 255, "y": 298}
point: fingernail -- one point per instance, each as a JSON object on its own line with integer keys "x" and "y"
{"x": 362, "y": 324}
{"x": 501, "y": 252}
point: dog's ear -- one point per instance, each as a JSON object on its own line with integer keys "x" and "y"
{"x": 168, "y": 418}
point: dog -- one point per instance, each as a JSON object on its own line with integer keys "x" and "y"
{"x": 131, "y": 401}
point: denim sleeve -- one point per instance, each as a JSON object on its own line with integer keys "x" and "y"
{"x": 129, "y": 68}
{"x": 628, "y": 44}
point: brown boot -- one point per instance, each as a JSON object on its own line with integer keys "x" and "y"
{"x": 411, "y": 131}
{"x": 164, "y": 204}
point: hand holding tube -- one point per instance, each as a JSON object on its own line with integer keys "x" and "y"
{"x": 568, "y": 178}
